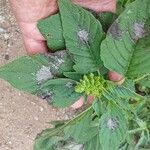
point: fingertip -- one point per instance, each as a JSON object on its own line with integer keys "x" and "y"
{"x": 79, "y": 103}
{"x": 90, "y": 99}
{"x": 35, "y": 46}
{"x": 114, "y": 76}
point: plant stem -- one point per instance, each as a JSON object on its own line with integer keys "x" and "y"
{"x": 70, "y": 122}
{"x": 140, "y": 78}
{"x": 134, "y": 131}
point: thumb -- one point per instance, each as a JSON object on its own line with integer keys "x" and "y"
{"x": 33, "y": 40}
{"x": 114, "y": 76}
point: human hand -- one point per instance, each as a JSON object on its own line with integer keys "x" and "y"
{"x": 28, "y": 12}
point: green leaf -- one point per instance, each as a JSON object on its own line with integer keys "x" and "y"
{"x": 42, "y": 143}
{"x": 112, "y": 127}
{"x": 98, "y": 107}
{"x": 145, "y": 82}
{"x": 106, "y": 19}
{"x": 28, "y": 73}
{"x": 124, "y": 50}
{"x": 73, "y": 75}
{"x": 51, "y": 29}
{"x": 125, "y": 91}
{"x": 60, "y": 92}
{"x": 60, "y": 62}
{"x": 83, "y": 35}
{"x": 83, "y": 130}
{"x": 49, "y": 138}
{"x": 93, "y": 144}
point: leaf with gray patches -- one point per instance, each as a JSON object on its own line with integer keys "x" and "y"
{"x": 29, "y": 73}
{"x": 60, "y": 92}
{"x": 112, "y": 127}
{"x": 83, "y": 35}
{"x": 60, "y": 61}
{"x": 115, "y": 31}
{"x": 123, "y": 50}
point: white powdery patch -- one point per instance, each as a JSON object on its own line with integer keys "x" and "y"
{"x": 60, "y": 54}
{"x": 139, "y": 30}
{"x": 112, "y": 123}
{"x": 46, "y": 95}
{"x": 83, "y": 36}
{"x": 44, "y": 74}
{"x": 69, "y": 85}
{"x": 56, "y": 64}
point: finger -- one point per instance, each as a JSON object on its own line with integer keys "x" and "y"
{"x": 78, "y": 103}
{"x": 98, "y": 5}
{"x": 114, "y": 76}
{"x": 35, "y": 46}
{"x": 33, "y": 40}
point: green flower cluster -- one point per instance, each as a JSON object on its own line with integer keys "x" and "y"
{"x": 91, "y": 85}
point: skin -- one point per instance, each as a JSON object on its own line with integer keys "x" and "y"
{"x": 28, "y": 12}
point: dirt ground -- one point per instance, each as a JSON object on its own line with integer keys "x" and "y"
{"x": 22, "y": 116}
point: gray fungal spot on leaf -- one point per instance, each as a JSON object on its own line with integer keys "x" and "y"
{"x": 83, "y": 36}
{"x": 115, "y": 31}
{"x": 43, "y": 74}
{"x": 112, "y": 123}
{"x": 57, "y": 62}
{"x": 69, "y": 85}
{"x": 56, "y": 59}
{"x": 48, "y": 95}
{"x": 60, "y": 54}
{"x": 139, "y": 30}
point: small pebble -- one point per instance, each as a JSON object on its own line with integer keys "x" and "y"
{"x": 2, "y": 19}
{"x": 2, "y": 30}
{"x": 7, "y": 57}
{"x": 36, "y": 118}
{"x": 6, "y": 36}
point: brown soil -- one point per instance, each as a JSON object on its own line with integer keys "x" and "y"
{"x": 22, "y": 116}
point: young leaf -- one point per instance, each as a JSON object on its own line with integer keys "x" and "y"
{"x": 83, "y": 35}
{"x": 124, "y": 50}
{"x": 125, "y": 91}
{"x": 112, "y": 127}
{"x": 51, "y": 29}
{"x": 60, "y": 92}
